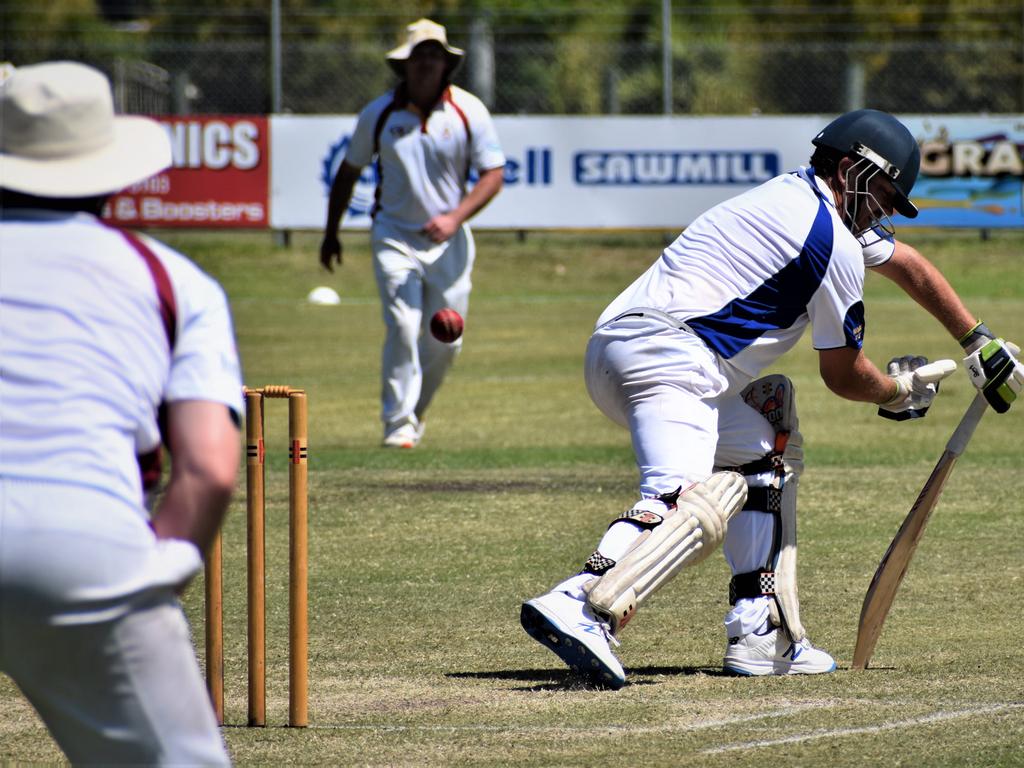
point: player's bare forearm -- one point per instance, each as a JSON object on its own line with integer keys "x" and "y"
{"x": 926, "y": 285}
{"x": 341, "y": 195}
{"x": 850, "y": 374}
{"x": 445, "y": 225}
{"x": 205, "y": 450}
{"x": 489, "y": 185}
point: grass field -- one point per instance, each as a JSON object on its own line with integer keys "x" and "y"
{"x": 420, "y": 560}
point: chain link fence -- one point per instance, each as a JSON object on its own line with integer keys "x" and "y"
{"x": 774, "y": 60}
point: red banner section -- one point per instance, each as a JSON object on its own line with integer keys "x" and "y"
{"x": 219, "y": 177}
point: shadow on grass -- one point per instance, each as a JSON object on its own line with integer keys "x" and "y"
{"x": 560, "y": 680}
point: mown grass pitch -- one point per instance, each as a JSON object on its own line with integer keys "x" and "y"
{"x": 419, "y": 560}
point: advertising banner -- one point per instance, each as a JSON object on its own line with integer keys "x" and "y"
{"x": 220, "y": 177}
{"x": 661, "y": 172}
{"x": 305, "y": 155}
{"x": 564, "y": 172}
{"x": 972, "y": 171}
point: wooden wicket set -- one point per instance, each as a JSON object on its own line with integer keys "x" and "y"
{"x": 298, "y": 615}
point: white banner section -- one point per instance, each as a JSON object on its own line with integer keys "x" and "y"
{"x": 662, "y": 172}
{"x": 565, "y": 172}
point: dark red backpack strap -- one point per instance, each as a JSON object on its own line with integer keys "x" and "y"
{"x": 395, "y": 102}
{"x": 151, "y": 463}
{"x": 162, "y": 283}
{"x": 465, "y": 122}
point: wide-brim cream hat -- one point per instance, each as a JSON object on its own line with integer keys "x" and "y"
{"x": 423, "y": 31}
{"x": 59, "y": 136}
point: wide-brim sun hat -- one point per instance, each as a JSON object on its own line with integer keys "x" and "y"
{"x": 424, "y": 31}
{"x": 60, "y": 138}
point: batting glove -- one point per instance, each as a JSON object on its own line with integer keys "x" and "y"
{"x": 993, "y": 367}
{"x": 917, "y": 384}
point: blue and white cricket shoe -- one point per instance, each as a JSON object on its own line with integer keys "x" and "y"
{"x": 769, "y": 651}
{"x": 567, "y": 627}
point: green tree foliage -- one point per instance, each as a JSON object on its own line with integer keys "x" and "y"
{"x": 561, "y": 56}
{"x": 58, "y": 29}
{"x": 918, "y": 56}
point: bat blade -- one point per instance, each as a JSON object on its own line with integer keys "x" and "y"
{"x": 890, "y": 572}
{"x": 889, "y": 575}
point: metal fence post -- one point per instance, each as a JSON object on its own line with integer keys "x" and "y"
{"x": 666, "y": 56}
{"x": 275, "y": 57}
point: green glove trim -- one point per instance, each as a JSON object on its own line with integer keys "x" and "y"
{"x": 980, "y": 331}
{"x": 997, "y": 365}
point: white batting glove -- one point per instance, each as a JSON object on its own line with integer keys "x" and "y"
{"x": 993, "y": 367}
{"x": 917, "y": 384}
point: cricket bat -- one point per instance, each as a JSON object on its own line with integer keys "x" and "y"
{"x": 896, "y": 561}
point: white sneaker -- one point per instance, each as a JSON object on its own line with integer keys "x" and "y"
{"x": 567, "y": 627}
{"x": 405, "y": 436}
{"x": 769, "y": 651}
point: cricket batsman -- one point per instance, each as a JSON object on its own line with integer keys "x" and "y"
{"x": 677, "y": 359}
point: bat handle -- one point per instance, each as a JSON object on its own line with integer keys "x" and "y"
{"x": 965, "y": 429}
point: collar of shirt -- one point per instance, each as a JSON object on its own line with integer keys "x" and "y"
{"x": 402, "y": 101}
{"x": 808, "y": 173}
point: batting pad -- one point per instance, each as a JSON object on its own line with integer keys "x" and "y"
{"x": 687, "y": 535}
{"x": 774, "y": 398}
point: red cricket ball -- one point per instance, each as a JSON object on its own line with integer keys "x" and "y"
{"x": 446, "y": 325}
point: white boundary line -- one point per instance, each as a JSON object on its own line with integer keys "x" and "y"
{"x": 596, "y": 730}
{"x": 616, "y": 730}
{"x": 936, "y": 717}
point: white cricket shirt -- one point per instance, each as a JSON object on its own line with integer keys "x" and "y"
{"x": 423, "y": 164}
{"x": 85, "y": 355}
{"x": 749, "y": 274}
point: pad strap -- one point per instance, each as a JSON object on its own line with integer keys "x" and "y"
{"x": 764, "y": 499}
{"x": 759, "y": 583}
{"x": 686, "y": 537}
{"x": 597, "y": 564}
{"x": 641, "y": 518}
{"x": 644, "y": 519}
{"x": 771, "y": 462}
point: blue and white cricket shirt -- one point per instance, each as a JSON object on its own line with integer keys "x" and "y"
{"x": 749, "y": 274}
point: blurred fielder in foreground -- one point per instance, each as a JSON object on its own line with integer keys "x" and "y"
{"x": 110, "y": 342}
{"x": 676, "y": 359}
{"x": 426, "y": 135}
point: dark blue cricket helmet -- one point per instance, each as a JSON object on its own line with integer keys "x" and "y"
{"x": 883, "y": 140}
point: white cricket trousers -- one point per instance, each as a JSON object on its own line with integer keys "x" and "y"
{"x": 415, "y": 278}
{"x": 91, "y": 630}
{"x": 685, "y": 417}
